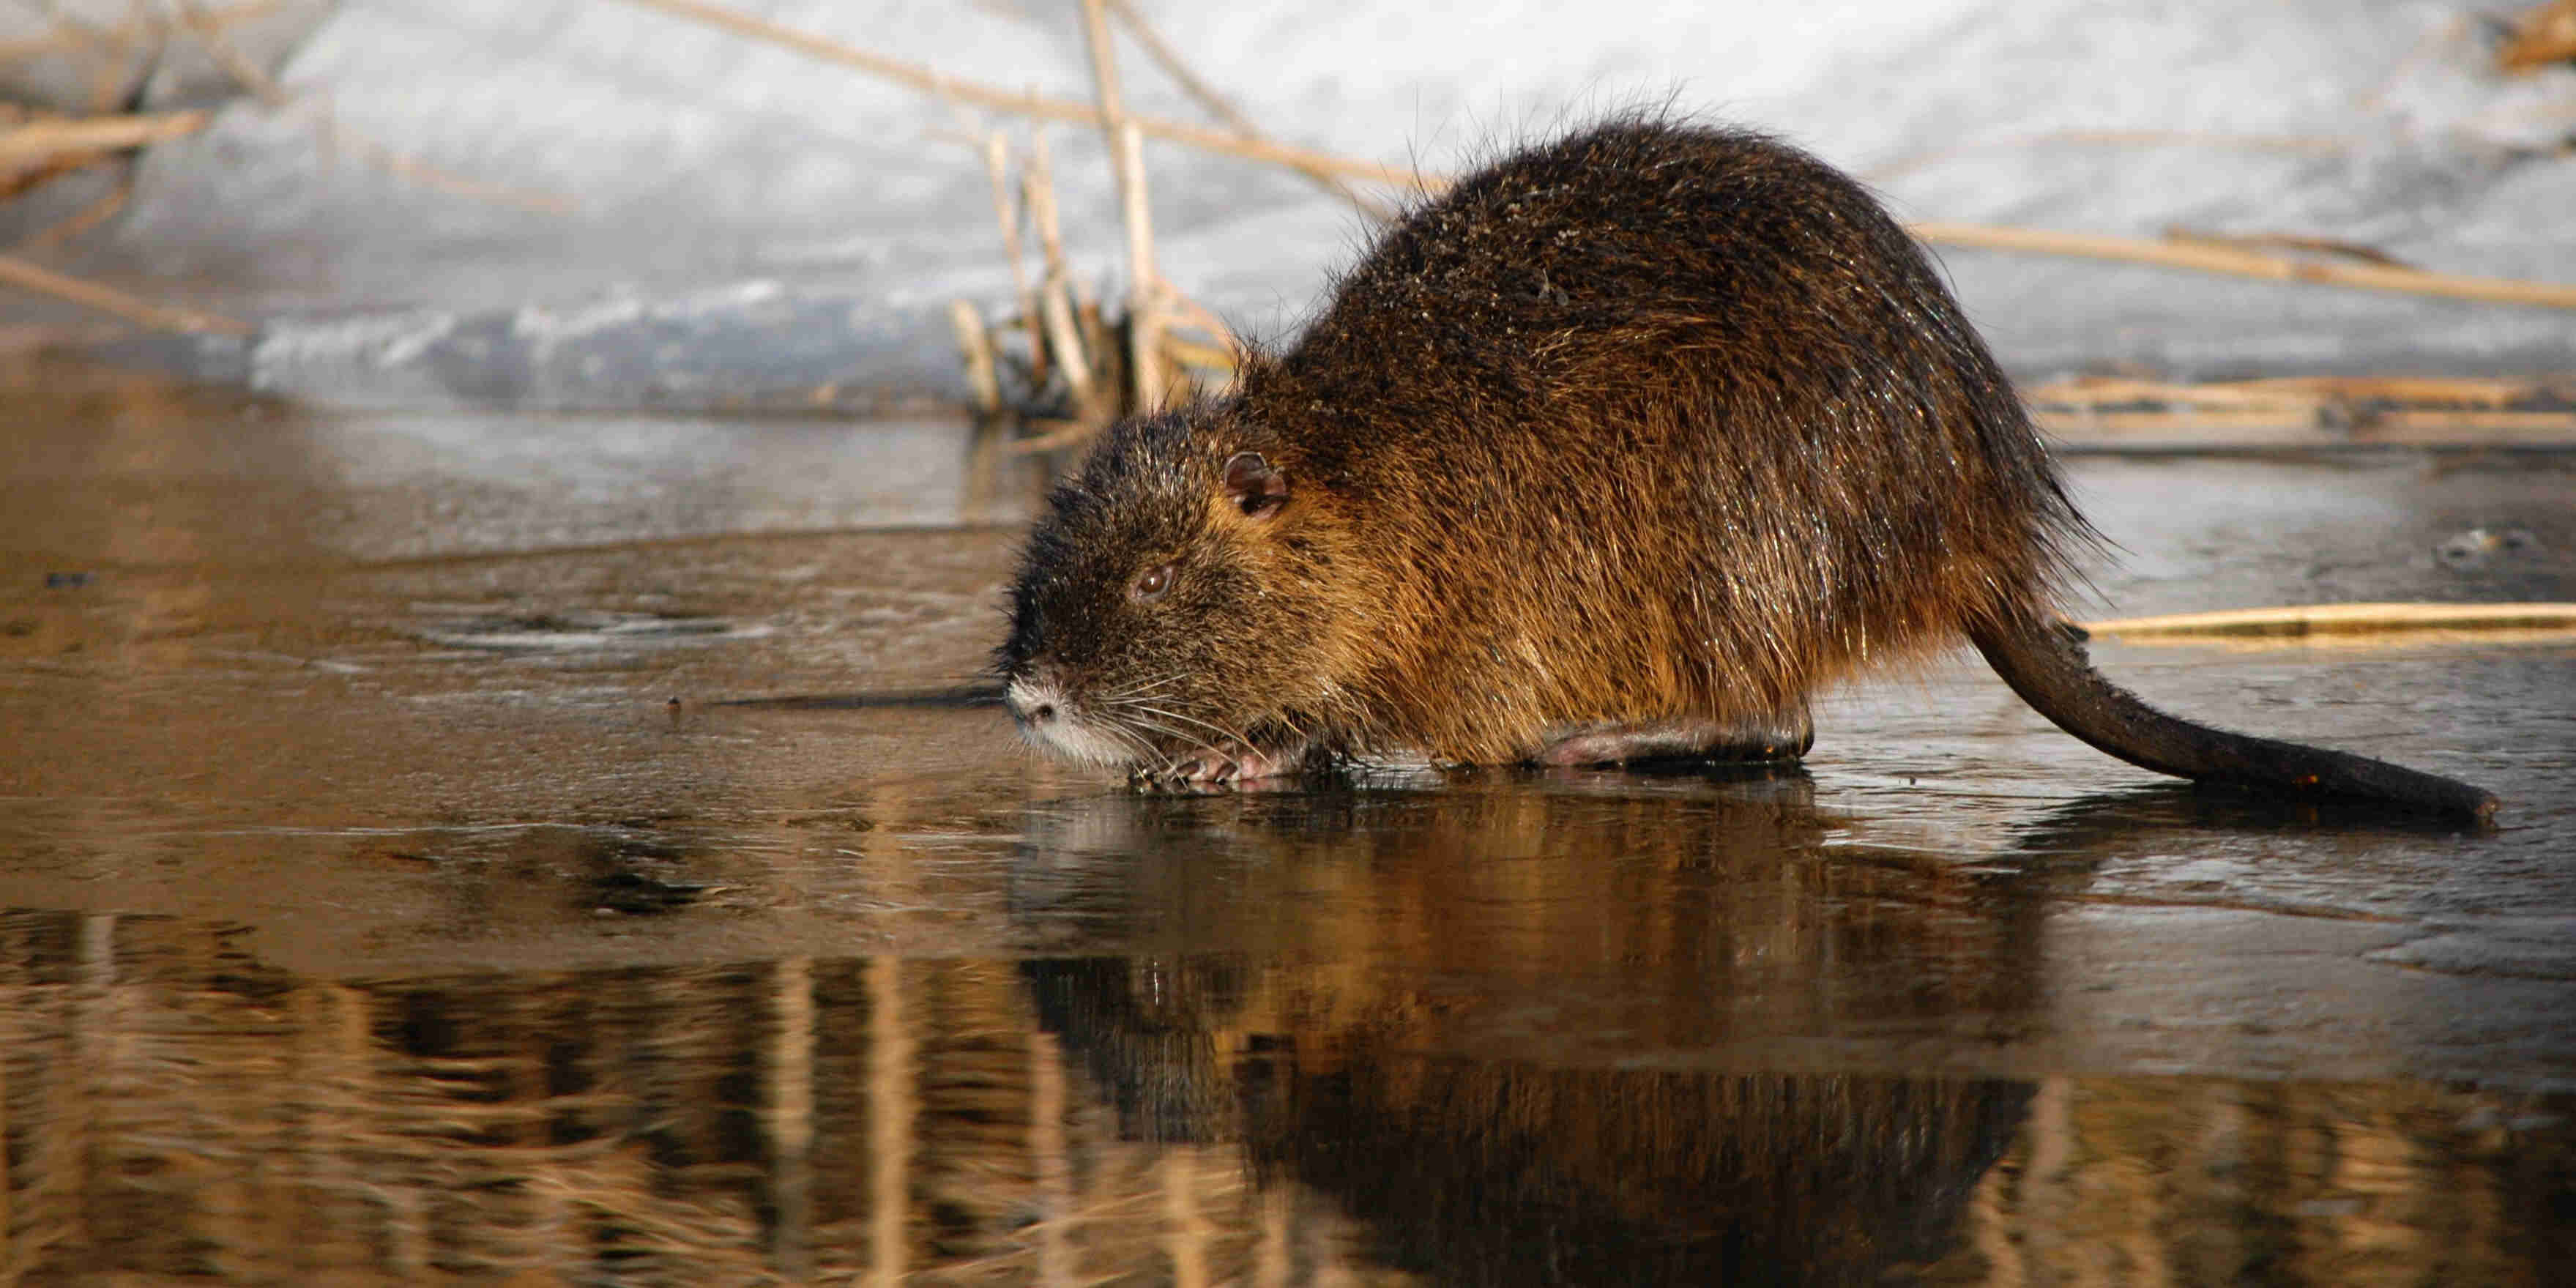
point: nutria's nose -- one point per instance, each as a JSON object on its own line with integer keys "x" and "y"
{"x": 1032, "y": 703}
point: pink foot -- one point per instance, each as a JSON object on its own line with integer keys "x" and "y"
{"x": 1208, "y": 769}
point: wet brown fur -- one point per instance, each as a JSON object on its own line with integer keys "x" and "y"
{"x": 1652, "y": 422}
{"x": 1658, "y": 421}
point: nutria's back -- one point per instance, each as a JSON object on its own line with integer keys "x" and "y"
{"x": 1621, "y": 447}
{"x": 1654, "y": 418}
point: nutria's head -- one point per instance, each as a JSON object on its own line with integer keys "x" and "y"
{"x": 1180, "y": 597}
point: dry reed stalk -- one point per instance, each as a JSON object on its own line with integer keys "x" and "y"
{"x": 119, "y": 70}
{"x": 42, "y": 139}
{"x": 2202, "y": 431}
{"x": 2461, "y": 391}
{"x": 2309, "y": 413}
{"x": 983, "y": 374}
{"x": 1977, "y": 236}
{"x": 1193, "y": 313}
{"x": 1096, "y": 326}
{"x": 1183, "y": 358}
{"x": 2545, "y": 34}
{"x": 1108, "y": 351}
{"x": 1223, "y": 108}
{"x": 248, "y": 74}
{"x": 2305, "y": 621}
{"x": 2469, "y": 429}
{"x": 2213, "y": 259}
{"x": 2287, "y": 241}
{"x": 997, "y": 168}
{"x": 1146, "y": 291}
{"x": 1184, "y": 353}
{"x": 1056, "y": 330}
{"x": 245, "y": 72}
{"x": 2102, "y": 391}
{"x": 2276, "y": 391}
{"x": 1127, "y": 156}
{"x": 1025, "y": 104}
{"x": 2090, "y": 426}
{"x": 25, "y": 276}
{"x": 2296, "y": 144}
{"x": 28, "y": 178}
{"x": 1055, "y": 435}
{"x": 432, "y": 177}
{"x": 1064, "y": 337}
{"x": 132, "y": 32}
{"x": 2090, "y": 407}
{"x": 1037, "y": 192}
{"x": 84, "y": 219}
{"x": 2318, "y": 410}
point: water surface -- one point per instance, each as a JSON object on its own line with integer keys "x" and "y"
{"x": 485, "y": 847}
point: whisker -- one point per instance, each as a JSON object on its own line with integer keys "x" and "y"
{"x": 1182, "y": 735}
{"x": 1219, "y": 730}
{"x": 1121, "y": 729}
{"x": 1159, "y": 727}
{"x": 1141, "y": 688}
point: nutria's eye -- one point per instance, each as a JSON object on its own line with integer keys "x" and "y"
{"x": 1152, "y": 584}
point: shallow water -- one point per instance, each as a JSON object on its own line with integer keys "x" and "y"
{"x": 472, "y": 846}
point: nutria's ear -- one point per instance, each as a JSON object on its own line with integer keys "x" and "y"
{"x": 1254, "y": 486}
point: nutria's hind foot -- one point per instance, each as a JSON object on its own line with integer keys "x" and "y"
{"x": 1780, "y": 739}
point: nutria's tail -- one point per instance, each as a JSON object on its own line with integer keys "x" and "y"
{"x": 2045, "y": 662}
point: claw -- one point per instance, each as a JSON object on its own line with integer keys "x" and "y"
{"x": 1212, "y": 768}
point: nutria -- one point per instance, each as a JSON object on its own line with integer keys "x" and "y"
{"x": 1618, "y": 450}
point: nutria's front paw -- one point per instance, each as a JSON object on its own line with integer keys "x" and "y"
{"x": 1209, "y": 769}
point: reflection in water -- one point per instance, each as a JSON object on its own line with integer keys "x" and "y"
{"x": 1501, "y": 1172}
{"x": 1599, "y": 916}
{"x": 174, "y": 1106}
{"x": 1481, "y": 1174}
